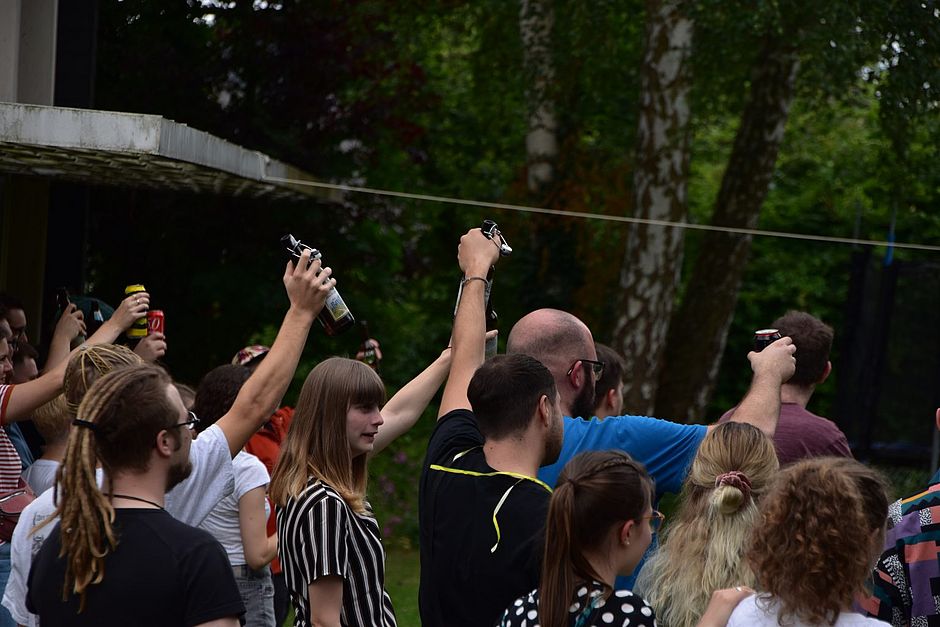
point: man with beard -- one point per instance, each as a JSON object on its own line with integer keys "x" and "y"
{"x": 565, "y": 345}
{"x": 123, "y": 560}
{"x": 481, "y": 509}
{"x": 212, "y": 478}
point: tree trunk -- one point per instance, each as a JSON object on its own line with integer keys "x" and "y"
{"x": 653, "y": 260}
{"x": 536, "y": 18}
{"x": 699, "y": 329}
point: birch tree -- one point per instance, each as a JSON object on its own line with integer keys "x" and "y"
{"x": 697, "y": 337}
{"x": 536, "y": 19}
{"x": 653, "y": 259}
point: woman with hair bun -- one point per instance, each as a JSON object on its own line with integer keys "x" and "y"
{"x": 822, "y": 526}
{"x": 600, "y": 522}
{"x": 703, "y": 549}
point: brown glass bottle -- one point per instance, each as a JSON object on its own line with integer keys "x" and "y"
{"x": 335, "y": 315}
{"x": 369, "y": 355}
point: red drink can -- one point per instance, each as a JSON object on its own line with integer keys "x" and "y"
{"x": 155, "y": 321}
{"x": 765, "y": 337}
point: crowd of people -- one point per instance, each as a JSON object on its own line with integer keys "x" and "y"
{"x": 129, "y": 499}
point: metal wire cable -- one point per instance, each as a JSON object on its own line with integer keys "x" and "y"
{"x": 599, "y": 216}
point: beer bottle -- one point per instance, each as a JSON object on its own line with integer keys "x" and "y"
{"x": 370, "y": 356}
{"x": 335, "y": 315}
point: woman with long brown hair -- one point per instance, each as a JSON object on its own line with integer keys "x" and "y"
{"x": 821, "y": 529}
{"x": 330, "y": 545}
{"x": 703, "y": 548}
{"x": 600, "y": 522}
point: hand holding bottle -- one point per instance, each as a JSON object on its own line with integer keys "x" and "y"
{"x": 307, "y": 284}
{"x": 71, "y": 324}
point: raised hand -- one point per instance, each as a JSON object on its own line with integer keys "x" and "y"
{"x": 71, "y": 324}
{"x": 151, "y": 347}
{"x": 307, "y": 287}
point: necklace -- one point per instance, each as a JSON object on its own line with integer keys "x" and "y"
{"x": 135, "y": 498}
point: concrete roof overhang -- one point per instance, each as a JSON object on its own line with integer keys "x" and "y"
{"x": 140, "y": 151}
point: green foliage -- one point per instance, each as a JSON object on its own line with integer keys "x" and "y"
{"x": 430, "y": 97}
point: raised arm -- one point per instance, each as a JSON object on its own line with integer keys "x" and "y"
{"x": 475, "y": 255}
{"x": 263, "y": 391}
{"x": 403, "y": 410}
{"x": 26, "y": 397}
{"x": 131, "y": 308}
{"x": 70, "y": 324}
{"x": 772, "y": 367}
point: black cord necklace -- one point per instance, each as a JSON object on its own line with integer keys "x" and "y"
{"x": 135, "y": 498}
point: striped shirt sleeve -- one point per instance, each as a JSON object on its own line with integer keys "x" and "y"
{"x": 325, "y": 529}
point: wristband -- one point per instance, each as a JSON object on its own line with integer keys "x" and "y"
{"x": 467, "y": 279}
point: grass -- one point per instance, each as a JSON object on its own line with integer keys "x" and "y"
{"x": 402, "y": 571}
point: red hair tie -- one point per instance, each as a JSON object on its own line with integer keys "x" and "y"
{"x": 735, "y": 479}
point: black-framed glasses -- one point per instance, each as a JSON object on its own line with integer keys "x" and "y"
{"x": 597, "y": 367}
{"x": 189, "y": 424}
{"x": 656, "y": 519}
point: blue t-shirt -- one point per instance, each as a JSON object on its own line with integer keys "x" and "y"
{"x": 665, "y": 448}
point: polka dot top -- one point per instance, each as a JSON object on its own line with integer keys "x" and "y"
{"x": 588, "y": 609}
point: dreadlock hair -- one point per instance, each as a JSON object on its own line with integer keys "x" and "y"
{"x": 732, "y": 469}
{"x": 316, "y": 444}
{"x": 90, "y": 363}
{"x": 122, "y": 414}
{"x": 596, "y": 491}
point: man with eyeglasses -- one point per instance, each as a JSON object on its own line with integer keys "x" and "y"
{"x": 564, "y": 344}
{"x": 122, "y": 557}
{"x": 211, "y": 477}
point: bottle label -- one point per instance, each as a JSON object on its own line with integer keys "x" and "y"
{"x": 336, "y": 305}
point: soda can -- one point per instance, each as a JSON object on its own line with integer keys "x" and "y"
{"x": 764, "y": 338}
{"x": 155, "y": 321}
{"x": 139, "y": 328}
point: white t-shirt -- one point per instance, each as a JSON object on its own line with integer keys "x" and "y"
{"x": 223, "y": 521}
{"x": 211, "y": 480}
{"x": 40, "y": 475}
{"x": 762, "y": 611}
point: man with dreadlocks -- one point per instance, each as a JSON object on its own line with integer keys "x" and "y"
{"x": 89, "y": 571}
{"x": 212, "y": 475}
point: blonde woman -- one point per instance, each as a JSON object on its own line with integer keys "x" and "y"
{"x": 703, "y": 548}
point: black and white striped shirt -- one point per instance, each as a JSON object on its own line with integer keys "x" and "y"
{"x": 320, "y": 535}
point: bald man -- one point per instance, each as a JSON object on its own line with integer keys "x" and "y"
{"x": 565, "y": 346}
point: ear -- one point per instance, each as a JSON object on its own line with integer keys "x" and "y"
{"x": 545, "y": 411}
{"x": 938, "y": 418}
{"x": 164, "y": 443}
{"x": 826, "y": 372}
{"x": 577, "y": 376}
{"x": 611, "y": 399}
{"x": 625, "y": 532}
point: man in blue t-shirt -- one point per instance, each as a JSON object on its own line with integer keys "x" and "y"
{"x": 565, "y": 346}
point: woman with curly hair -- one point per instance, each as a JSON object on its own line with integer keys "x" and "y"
{"x": 821, "y": 529}
{"x": 703, "y": 548}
